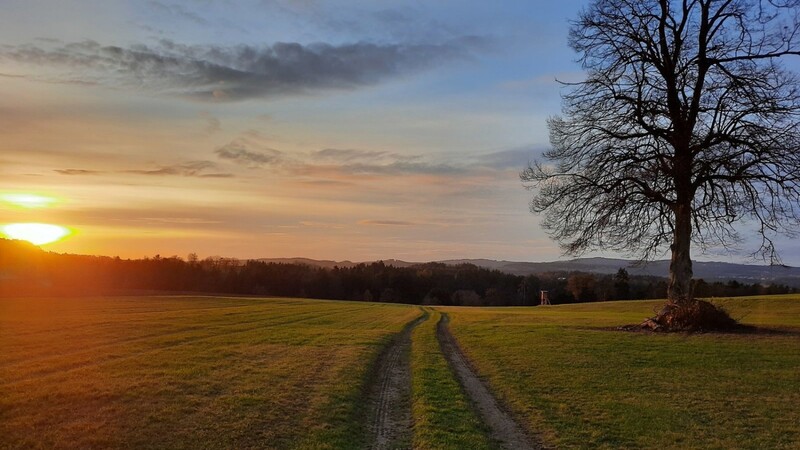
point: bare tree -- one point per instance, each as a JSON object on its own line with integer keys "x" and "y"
{"x": 686, "y": 123}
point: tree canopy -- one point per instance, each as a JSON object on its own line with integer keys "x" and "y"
{"x": 687, "y": 122}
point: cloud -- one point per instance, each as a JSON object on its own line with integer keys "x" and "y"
{"x": 179, "y": 220}
{"x": 394, "y": 223}
{"x": 77, "y": 171}
{"x": 403, "y": 168}
{"x": 250, "y": 150}
{"x": 326, "y": 183}
{"x": 372, "y": 162}
{"x": 393, "y": 168}
{"x": 212, "y": 124}
{"x": 336, "y": 154}
{"x": 177, "y": 11}
{"x": 215, "y": 175}
{"x": 351, "y": 155}
{"x": 335, "y": 164}
{"x": 517, "y": 158}
{"x": 189, "y": 169}
{"x": 216, "y": 73}
{"x": 238, "y": 152}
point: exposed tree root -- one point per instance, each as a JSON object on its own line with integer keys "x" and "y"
{"x": 696, "y": 315}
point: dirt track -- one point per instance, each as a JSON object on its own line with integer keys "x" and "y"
{"x": 390, "y": 397}
{"x": 504, "y": 428}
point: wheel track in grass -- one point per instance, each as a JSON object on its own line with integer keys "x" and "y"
{"x": 390, "y": 395}
{"x": 502, "y": 425}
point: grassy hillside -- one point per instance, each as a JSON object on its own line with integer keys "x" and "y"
{"x": 178, "y": 372}
{"x": 569, "y": 375}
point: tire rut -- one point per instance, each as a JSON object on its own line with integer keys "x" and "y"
{"x": 390, "y": 396}
{"x": 503, "y": 427}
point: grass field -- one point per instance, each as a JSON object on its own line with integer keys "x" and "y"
{"x": 180, "y": 372}
{"x": 212, "y": 372}
{"x": 442, "y": 415}
{"x": 569, "y": 375}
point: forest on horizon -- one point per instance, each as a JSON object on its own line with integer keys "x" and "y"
{"x": 26, "y": 270}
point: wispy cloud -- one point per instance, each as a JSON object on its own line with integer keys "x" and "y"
{"x": 392, "y": 223}
{"x": 333, "y": 163}
{"x": 356, "y": 155}
{"x": 179, "y": 220}
{"x": 189, "y": 169}
{"x": 239, "y": 153}
{"x": 326, "y": 183}
{"x": 400, "y": 168}
{"x": 177, "y": 11}
{"x": 212, "y": 124}
{"x": 516, "y": 158}
{"x": 336, "y": 154}
{"x": 77, "y": 171}
{"x": 216, "y": 73}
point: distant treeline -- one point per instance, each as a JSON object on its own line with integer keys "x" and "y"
{"x": 28, "y": 271}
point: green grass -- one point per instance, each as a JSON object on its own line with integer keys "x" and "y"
{"x": 210, "y": 372}
{"x": 443, "y": 418}
{"x": 181, "y": 372}
{"x": 582, "y": 385}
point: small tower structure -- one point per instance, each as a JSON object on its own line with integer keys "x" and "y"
{"x": 545, "y": 298}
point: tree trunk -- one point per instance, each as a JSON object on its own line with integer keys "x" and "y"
{"x": 682, "y": 312}
{"x": 679, "y": 290}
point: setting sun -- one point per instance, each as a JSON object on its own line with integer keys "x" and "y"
{"x": 35, "y": 233}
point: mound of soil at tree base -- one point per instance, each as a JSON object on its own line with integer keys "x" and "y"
{"x": 698, "y": 315}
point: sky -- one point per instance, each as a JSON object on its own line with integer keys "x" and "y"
{"x": 346, "y": 130}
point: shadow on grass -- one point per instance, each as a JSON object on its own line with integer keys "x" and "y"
{"x": 738, "y": 330}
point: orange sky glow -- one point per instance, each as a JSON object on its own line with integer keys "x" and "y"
{"x": 399, "y": 168}
{"x": 330, "y": 130}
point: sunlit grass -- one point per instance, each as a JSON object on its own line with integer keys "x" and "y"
{"x": 583, "y": 385}
{"x": 178, "y": 372}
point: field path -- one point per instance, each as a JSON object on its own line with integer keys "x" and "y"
{"x": 504, "y": 428}
{"x": 390, "y": 397}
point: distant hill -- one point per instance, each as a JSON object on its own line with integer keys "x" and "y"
{"x": 328, "y": 264}
{"x": 309, "y": 262}
{"x": 18, "y": 256}
{"x": 709, "y": 271}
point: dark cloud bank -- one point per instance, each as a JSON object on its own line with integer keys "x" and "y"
{"x": 208, "y": 72}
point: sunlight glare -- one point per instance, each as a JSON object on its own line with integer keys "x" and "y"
{"x": 28, "y": 200}
{"x": 35, "y": 233}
